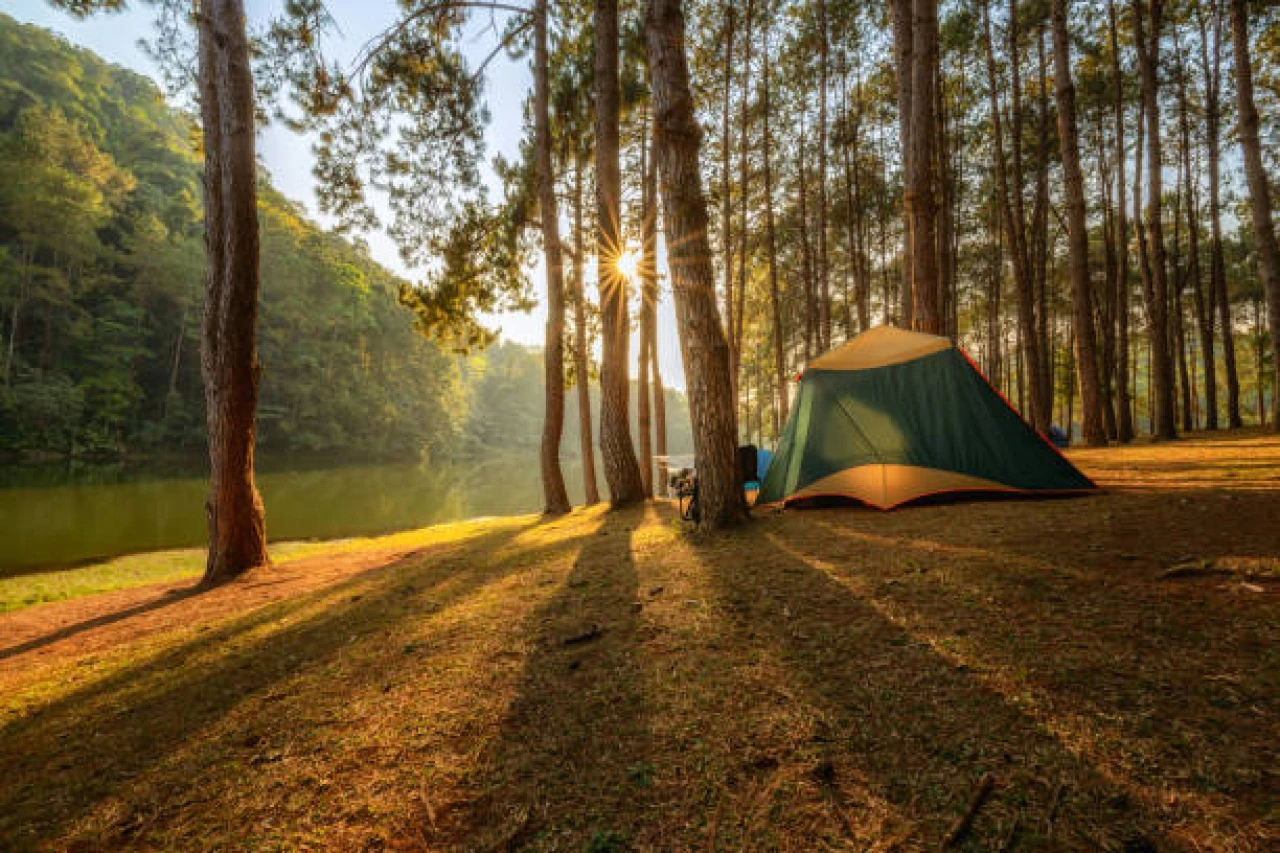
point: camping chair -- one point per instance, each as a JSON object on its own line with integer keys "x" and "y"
{"x": 687, "y": 486}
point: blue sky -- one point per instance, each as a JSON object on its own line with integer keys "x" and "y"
{"x": 288, "y": 155}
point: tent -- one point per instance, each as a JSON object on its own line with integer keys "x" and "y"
{"x": 893, "y": 416}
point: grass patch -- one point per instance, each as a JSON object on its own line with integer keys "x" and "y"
{"x": 134, "y": 570}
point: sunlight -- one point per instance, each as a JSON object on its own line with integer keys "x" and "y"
{"x": 629, "y": 263}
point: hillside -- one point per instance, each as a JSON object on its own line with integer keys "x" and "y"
{"x": 101, "y": 260}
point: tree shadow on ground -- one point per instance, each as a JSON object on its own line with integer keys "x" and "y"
{"x": 141, "y": 734}
{"x": 567, "y": 766}
{"x": 891, "y": 734}
{"x": 165, "y": 599}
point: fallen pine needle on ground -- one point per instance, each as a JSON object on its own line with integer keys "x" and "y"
{"x": 1087, "y": 674}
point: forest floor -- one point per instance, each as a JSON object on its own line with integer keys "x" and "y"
{"x": 1103, "y": 670}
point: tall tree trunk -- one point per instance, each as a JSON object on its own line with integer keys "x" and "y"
{"x": 1105, "y": 305}
{"x": 775, "y": 300}
{"x": 1158, "y": 315}
{"x": 648, "y": 306}
{"x": 1040, "y": 230}
{"x": 823, "y": 270}
{"x": 726, "y": 185}
{"x": 581, "y": 364}
{"x": 738, "y": 317}
{"x": 659, "y": 395}
{"x": 922, "y": 194}
{"x": 812, "y": 345}
{"x": 1077, "y": 234}
{"x": 1011, "y": 204}
{"x": 702, "y": 342}
{"x": 1264, "y": 232}
{"x": 1204, "y": 312}
{"x": 621, "y": 469}
{"x": 229, "y": 357}
{"x": 1124, "y": 407}
{"x": 1211, "y": 58}
{"x": 554, "y": 495}
{"x": 903, "y": 45}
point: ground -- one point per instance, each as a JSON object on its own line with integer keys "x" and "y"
{"x": 840, "y": 679}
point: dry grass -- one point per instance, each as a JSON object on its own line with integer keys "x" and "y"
{"x": 825, "y": 680}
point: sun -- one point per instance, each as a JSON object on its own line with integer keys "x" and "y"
{"x": 629, "y": 264}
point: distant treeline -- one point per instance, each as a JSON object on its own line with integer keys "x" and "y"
{"x": 101, "y": 261}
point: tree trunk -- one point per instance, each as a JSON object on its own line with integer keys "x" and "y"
{"x": 922, "y": 193}
{"x": 812, "y": 346}
{"x": 726, "y": 186}
{"x": 1211, "y": 57}
{"x": 1204, "y": 312}
{"x": 648, "y": 307}
{"x": 1011, "y": 204}
{"x": 228, "y": 357}
{"x": 621, "y": 469}
{"x": 1124, "y": 407}
{"x": 1264, "y": 231}
{"x": 659, "y": 396}
{"x": 823, "y": 270}
{"x": 1158, "y": 315}
{"x": 903, "y": 44}
{"x": 775, "y": 301}
{"x": 702, "y": 342}
{"x": 1077, "y": 233}
{"x": 555, "y": 497}
{"x": 581, "y": 363}
{"x": 738, "y": 317}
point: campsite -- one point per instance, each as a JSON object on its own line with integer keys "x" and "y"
{"x": 632, "y": 426}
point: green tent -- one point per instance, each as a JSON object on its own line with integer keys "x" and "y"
{"x": 894, "y": 416}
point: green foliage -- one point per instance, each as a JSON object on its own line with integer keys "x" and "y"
{"x": 101, "y": 281}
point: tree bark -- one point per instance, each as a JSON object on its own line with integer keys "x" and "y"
{"x": 621, "y": 469}
{"x": 775, "y": 300}
{"x": 1011, "y": 204}
{"x": 228, "y": 357}
{"x": 738, "y": 317}
{"x": 903, "y": 45}
{"x": 1077, "y": 233}
{"x": 581, "y": 363}
{"x": 702, "y": 342}
{"x": 1264, "y": 232}
{"x": 812, "y": 346}
{"x": 922, "y": 193}
{"x": 1158, "y": 315}
{"x": 726, "y": 185}
{"x": 1124, "y": 406}
{"x": 554, "y": 495}
{"x": 823, "y": 271}
{"x": 648, "y": 307}
{"x": 1211, "y": 57}
{"x": 1203, "y": 310}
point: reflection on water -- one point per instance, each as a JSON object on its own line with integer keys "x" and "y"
{"x": 53, "y": 515}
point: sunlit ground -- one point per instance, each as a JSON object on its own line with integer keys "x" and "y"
{"x": 825, "y": 680}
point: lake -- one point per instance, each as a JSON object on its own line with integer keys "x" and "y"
{"x": 60, "y": 514}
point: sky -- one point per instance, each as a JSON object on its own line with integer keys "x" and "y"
{"x": 287, "y": 155}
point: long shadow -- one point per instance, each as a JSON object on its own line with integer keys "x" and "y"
{"x": 100, "y": 741}
{"x": 161, "y": 601}
{"x": 899, "y": 723}
{"x": 568, "y": 764}
{"x": 1170, "y": 671}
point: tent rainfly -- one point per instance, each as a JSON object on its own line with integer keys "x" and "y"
{"x": 894, "y": 416}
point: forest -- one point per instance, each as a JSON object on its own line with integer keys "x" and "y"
{"x": 101, "y": 267}
{"x": 996, "y": 284}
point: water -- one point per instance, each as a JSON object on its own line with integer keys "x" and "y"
{"x": 56, "y": 515}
